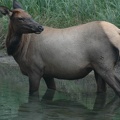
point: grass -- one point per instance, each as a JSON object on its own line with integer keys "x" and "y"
{"x": 65, "y": 13}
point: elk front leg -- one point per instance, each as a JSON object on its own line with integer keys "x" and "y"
{"x": 34, "y": 81}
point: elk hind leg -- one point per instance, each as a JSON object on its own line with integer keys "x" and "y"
{"x": 101, "y": 84}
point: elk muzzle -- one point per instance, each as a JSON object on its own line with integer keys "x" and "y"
{"x": 39, "y": 29}
{"x": 36, "y": 27}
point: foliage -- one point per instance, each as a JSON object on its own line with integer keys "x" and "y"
{"x": 65, "y": 13}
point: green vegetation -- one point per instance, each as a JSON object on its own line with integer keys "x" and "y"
{"x": 64, "y": 13}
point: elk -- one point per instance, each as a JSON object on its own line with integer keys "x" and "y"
{"x": 68, "y": 53}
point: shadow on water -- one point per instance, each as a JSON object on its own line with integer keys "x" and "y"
{"x": 74, "y": 101}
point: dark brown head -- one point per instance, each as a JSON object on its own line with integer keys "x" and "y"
{"x": 20, "y": 21}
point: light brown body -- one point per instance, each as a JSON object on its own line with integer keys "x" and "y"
{"x": 69, "y": 53}
{"x": 63, "y": 53}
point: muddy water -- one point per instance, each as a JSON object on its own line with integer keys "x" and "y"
{"x": 73, "y": 100}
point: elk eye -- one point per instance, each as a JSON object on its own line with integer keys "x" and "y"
{"x": 21, "y": 19}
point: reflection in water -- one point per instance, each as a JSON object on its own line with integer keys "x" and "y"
{"x": 52, "y": 105}
{"x": 47, "y": 108}
{"x": 11, "y": 91}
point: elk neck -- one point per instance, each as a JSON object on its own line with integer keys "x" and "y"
{"x": 14, "y": 41}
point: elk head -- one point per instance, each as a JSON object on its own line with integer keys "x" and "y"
{"x": 20, "y": 21}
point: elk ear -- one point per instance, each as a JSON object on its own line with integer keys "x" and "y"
{"x": 16, "y": 5}
{"x": 5, "y": 11}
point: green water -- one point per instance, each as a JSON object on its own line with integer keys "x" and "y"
{"x": 73, "y": 100}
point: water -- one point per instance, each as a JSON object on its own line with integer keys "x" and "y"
{"x": 73, "y": 100}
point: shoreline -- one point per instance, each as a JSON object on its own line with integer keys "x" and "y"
{"x": 4, "y": 58}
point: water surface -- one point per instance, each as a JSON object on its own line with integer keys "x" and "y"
{"x": 73, "y": 100}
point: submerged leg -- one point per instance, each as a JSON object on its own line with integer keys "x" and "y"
{"x": 101, "y": 84}
{"x": 99, "y": 103}
{"x": 50, "y": 83}
{"x": 110, "y": 77}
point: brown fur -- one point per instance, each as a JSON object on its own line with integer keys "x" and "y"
{"x": 21, "y": 13}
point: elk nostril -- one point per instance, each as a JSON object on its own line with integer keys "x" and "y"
{"x": 40, "y": 28}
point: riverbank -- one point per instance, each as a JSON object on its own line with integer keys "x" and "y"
{"x": 4, "y": 58}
